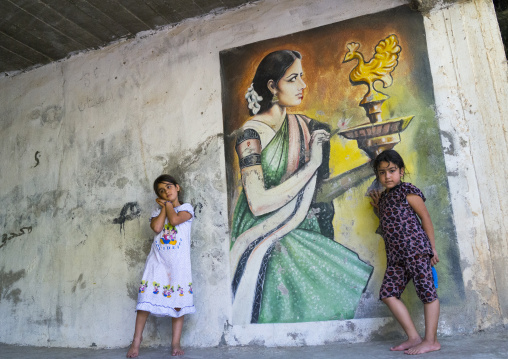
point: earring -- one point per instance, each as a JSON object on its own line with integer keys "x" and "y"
{"x": 275, "y": 99}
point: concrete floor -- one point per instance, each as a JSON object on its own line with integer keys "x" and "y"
{"x": 484, "y": 345}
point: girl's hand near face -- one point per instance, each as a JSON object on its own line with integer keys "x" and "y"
{"x": 375, "y": 195}
{"x": 160, "y": 202}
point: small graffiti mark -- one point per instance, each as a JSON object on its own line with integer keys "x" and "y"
{"x": 197, "y": 209}
{"x": 37, "y": 155}
{"x": 7, "y": 237}
{"x": 129, "y": 211}
{"x": 91, "y": 102}
{"x": 79, "y": 282}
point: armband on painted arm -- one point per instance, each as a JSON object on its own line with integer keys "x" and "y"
{"x": 248, "y": 148}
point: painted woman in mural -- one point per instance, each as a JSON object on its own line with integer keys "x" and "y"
{"x": 285, "y": 264}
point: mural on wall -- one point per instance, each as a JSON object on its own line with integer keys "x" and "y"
{"x": 303, "y": 117}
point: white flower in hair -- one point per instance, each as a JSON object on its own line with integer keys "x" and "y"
{"x": 253, "y": 99}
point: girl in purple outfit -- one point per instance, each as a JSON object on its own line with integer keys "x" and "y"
{"x": 410, "y": 249}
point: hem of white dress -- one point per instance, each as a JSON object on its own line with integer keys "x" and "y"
{"x": 164, "y": 311}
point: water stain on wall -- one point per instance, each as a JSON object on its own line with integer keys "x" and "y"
{"x": 137, "y": 255}
{"x": 7, "y": 281}
{"x": 79, "y": 282}
{"x": 48, "y": 202}
{"x": 179, "y": 162}
{"x": 121, "y": 182}
{"x": 53, "y": 321}
{"x": 50, "y": 115}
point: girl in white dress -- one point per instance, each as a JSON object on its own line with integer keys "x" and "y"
{"x": 166, "y": 285}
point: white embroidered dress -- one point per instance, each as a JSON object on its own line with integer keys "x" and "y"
{"x": 167, "y": 281}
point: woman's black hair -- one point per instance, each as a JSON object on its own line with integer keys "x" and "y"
{"x": 272, "y": 67}
{"x": 165, "y": 178}
{"x": 388, "y": 156}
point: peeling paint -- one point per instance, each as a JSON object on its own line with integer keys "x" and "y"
{"x": 448, "y": 147}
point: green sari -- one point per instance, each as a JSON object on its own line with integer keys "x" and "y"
{"x": 302, "y": 275}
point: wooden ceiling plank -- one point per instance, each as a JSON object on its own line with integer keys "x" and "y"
{"x": 186, "y": 9}
{"x": 41, "y": 31}
{"x": 120, "y": 15}
{"x": 209, "y": 5}
{"x": 81, "y": 19}
{"x": 145, "y": 13}
{"x": 97, "y": 20}
{"x": 14, "y": 56}
{"x": 13, "y": 61}
{"x": 22, "y": 49}
{"x": 59, "y": 23}
{"x": 11, "y": 28}
{"x": 169, "y": 14}
{"x": 25, "y": 27}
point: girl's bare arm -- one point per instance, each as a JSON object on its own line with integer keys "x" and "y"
{"x": 416, "y": 202}
{"x": 157, "y": 223}
{"x": 173, "y": 217}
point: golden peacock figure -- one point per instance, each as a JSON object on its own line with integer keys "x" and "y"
{"x": 378, "y": 134}
{"x": 379, "y": 68}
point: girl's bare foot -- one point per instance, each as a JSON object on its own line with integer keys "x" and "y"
{"x": 424, "y": 347}
{"x": 410, "y": 343}
{"x": 176, "y": 350}
{"x": 134, "y": 349}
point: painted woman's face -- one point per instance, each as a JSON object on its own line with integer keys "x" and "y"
{"x": 290, "y": 87}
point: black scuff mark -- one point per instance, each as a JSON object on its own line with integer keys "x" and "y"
{"x": 198, "y": 208}
{"x": 7, "y": 237}
{"x": 130, "y": 211}
{"x": 79, "y": 283}
{"x": 37, "y": 155}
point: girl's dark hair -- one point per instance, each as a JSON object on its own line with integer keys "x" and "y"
{"x": 161, "y": 179}
{"x": 272, "y": 67}
{"x": 388, "y": 156}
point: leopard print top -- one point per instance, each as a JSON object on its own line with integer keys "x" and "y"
{"x": 402, "y": 231}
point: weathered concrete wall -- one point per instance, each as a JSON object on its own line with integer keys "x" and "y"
{"x": 83, "y": 139}
{"x": 470, "y": 84}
